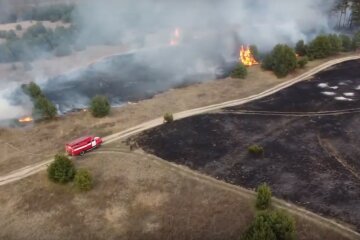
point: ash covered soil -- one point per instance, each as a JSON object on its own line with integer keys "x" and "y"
{"x": 311, "y": 160}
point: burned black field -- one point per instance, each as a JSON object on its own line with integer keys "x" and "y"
{"x": 309, "y": 132}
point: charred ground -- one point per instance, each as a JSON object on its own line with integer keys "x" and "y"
{"x": 310, "y": 159}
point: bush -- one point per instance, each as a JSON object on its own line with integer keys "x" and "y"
{"x": 240, "y": 71}
{"x": 320, "y": 47}
{"x": 83, "y": 180}
{"x": 302, "y": 62}
{"x": 263, "y": 197}
{"x": 18, "y": 27}
{"x": 62, "y": 170}
{"x": 256, "y": 150}
{"x": 100, "y": 106}
{"x": 282, "y": 60}
{"x": 301, "y": 48}
{"x": 44, "y": 108}
{"x": 275, "y": 225}
{"x": 168, "y": 117}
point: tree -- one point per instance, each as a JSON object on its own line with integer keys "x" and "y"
{"x": 33, "y": 90}
{"x": 283, "y": 60}
{"x": 275, "y": 225}
{"x": 83, "y": 180}
{"x": 335, "y": 43}
{"x": 263, "y": 197}
{"x": 301, "y": 48}
{"x": 100, "y": 106}
{"x": 267, "y": 62}
{"x": 240, "y": 71}
{"x": 356, "y": 41}
{"x": 255, "y": 52}
{"x": 62, "y": 170}
{"x": 346, "y": 43}
{"x": 168, "y": 117}
{"x": 44, "y": 108}
{"x": 320, "y": 47}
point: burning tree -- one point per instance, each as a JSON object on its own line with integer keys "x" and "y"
{"x": 247, "y": 56}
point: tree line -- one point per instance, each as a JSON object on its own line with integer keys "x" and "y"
{"x": 37, "y": 41}
{"x": 348, "y": 13}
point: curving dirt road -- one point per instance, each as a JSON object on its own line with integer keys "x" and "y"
{"x": 33, "y": 169}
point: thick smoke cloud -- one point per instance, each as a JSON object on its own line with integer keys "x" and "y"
{"x": 264, "y": 23}
{"x": 219, "y": 27}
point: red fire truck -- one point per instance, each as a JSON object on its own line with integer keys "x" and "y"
{"x": 82, "y": 145}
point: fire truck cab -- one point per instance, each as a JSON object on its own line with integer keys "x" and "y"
{"x": 82, "y": 145}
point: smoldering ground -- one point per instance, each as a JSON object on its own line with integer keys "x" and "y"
{"x": 210, "y": 34}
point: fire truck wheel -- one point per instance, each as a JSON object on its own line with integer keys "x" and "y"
{"x": 82, "y": 153}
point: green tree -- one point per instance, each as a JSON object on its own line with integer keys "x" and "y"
{"x": 240, "y": 71}
{"x": 83, "y": 180}
{"x": 301, "y": 48}
{"x": 356, "y": 41}
{"x": 263, "y": 197}
{"x": 44, "y": 108}
{"x": 100, "y": 106}
{"x": 346, "y": 43}
{"x": 267, "y": 62}
{"x": 335, "y": 42}
{"x": 283, "y": 60}
{"x": 255, "y": 52}
{"x": 268, "y": 225}
{"x": 62, "y": 170}
{"x": 320, "y": 47}
{"x": 33, "y": 90}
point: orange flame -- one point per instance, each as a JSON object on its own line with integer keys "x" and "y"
{"x": 247, "y": 57}
{"x": 175, "y": 39}
{"x": 26, "y": 119}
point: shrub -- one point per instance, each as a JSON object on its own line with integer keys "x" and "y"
{"x": 320, "y": 47}
{"x": 282, "y": 60}
{"x": 18, "y": 27}
{"x": 240, "y": 71}
{"x": 263, "y": 197}
{"x": 302, "y": 62}
{"x": 100, "y": 106}
{"x": 44, "y": 108}
{"x": 256, "y": 150}
{"x": 62, "y": 170}
{"x": 83, "y": 180}
{"x": 301, "y": 48}
{"x": 275, "y": 225}
{"x": 168, "y": 117}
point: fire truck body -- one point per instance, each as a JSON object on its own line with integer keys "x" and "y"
{"x": 82, "y": 145}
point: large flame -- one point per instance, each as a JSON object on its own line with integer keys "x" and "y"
{"x": 247, "y": 57}
{"x": 25, "y": 119}
{"x": 175, "y": 38}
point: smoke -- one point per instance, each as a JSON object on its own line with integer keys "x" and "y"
{"x": 211, "y": 33}
{"x": 264, "y": 23}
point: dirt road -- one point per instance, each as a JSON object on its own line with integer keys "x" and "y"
{"x": 33, "y": 169}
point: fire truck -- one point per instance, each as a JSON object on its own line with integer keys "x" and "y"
{"x": 82, "y": 145}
